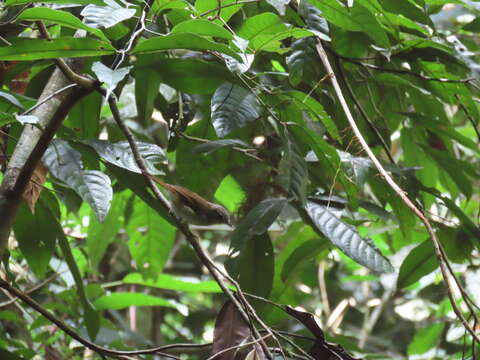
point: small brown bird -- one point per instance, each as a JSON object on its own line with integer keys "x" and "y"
{"x": 192, "y": 207}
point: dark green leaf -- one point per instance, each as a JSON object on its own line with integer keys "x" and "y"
{"x": 306, "y": 251}
{"x": 426, "y": 338}
{"x": 257, "y": 221}
{"x": 420, "y": 261}
{"x": 233, "y": 107}
{"x": 58, "y": 17}
{"x": 344, "y": 236}
{"x": 182, "y": 41}
{"x": 36, "y": 235}
{"x": 255, "y": 265}
{"x": 34, "y": 49}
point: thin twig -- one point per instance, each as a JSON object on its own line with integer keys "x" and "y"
{"x": 439, "y": 251}
{"x": 65, "y": 328}
{"x": 181, "y": 225}
{"x": 239, "y": 346}
{"x": 32, "y": 289}
{"x": 59, "y": 91}
{"x": 83, "y": 81}
{"x": 219, "y": 8}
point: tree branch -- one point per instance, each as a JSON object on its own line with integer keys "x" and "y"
{"x": 439, "y": 251}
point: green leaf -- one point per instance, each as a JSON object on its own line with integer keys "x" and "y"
{"x": 345, "y": 237}
{"x": 35, "y": 49}
{"x": 151, "y": 239}
{"x": 255, "y": 265}
{"x": 81, "y": 2}
{"x": 314, "y": 20}
{"x": 303, "y": 61}
{"x": 84, "y": 117}
{"x": 210, "y": 8}
{"x": 264, "y": 32}
{"x": 356, "y": 18}
{"x": 420, "y": 261}
{"x": 175, "y": 283}
{"x": 100, "y": 235}
{"x": 91, "y": 316}
{"x": 230, "y": 194}
{"x": 202, "y": 27}
{"x": 233, "y": 107}
{"x": 122, "y": 300}
{"x": 182, "y": 41}
{"x": 257, "y": 221}
{"x": 36, "y": 236}
{"x": 203, "y": 77}
{"x": 315, "y": 109}
{"x": 6, "y": 119}
{"x": 59, "y": 17}
{"x": 301, "y": 254}
{"x": 147, "y": 84}
{"x": 426, "y": 338}
{"x": 293, "y": 170}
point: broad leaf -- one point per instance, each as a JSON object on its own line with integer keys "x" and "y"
{"x": 175, "y": 283}
{"x": 122, "y": 300}
{"x": 420, "y": 261}
{"x": 314, "y": 19}
{"x": 120, "y": 154}
{"x": 230, "y": 331}
{"x": 294, "y": 171}
{"x": 36, "y": 236}
{"x": 202, "y": 27}
{"x": 35, "y": 49}
{"x": 59, "y": 17}
{"x": 344, "y": 236}
{"x": 93, "y": 186}
{"x": 233, "y": 107}
{"x": 182, "y": 41}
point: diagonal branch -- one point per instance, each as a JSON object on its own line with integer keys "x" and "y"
{"x": 439, "y": 251}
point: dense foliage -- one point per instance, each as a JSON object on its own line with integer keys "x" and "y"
{"x": 232, "y": 100}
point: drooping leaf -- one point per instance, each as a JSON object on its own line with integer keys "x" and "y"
{"x": 147, "y": 85}
{"x": 151, "y": 239}
{"x": 36, "y": 235}
{"x": 230, "y": 330}
{"x": 93, "y": 186}
{"x": 294, "y": 171}
{"x": 306, "y": 251}
{"x": 314, "y": 19}
{"x": 233, "y": 107}
{"x": 120, "y": 154}
{"x": 25, "y": 49}
{"x": 257, "y": 221}
{"x": 426, "y": 338}
{"x": 100, "y": 235}
{"x": 34, "y": 187}
{"x": 345, "y": 237}
{"x": 419, "y": 262}
{"x": 255, "y": 265}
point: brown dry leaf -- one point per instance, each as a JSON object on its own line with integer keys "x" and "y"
{"x": 35, "y": 186}
{"x": 230, "y": 330}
